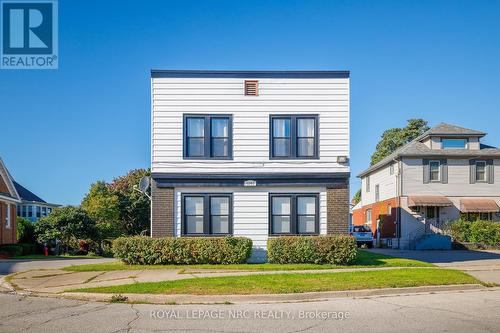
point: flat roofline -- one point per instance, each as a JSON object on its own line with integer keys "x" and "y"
{"x": 160, "y": 73}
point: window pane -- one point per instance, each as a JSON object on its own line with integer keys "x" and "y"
{"x": 220, "y": 147}
{"x": 196, "y": 147}
{"x": 281, "y": 205}
{"x": 220, "y": 224}
{"x": 307, "y": 224}
{"x": 194, "y": 206}
{"x": 281, "y": 128}
{"x": 434, "y": 170}
{"x": 281, "y": 147}
{"x": 194, "y": 224}
{"x": 220, "y": 127}
{"x": 196, "y": 127}
{"x": 454, "y": 143}
{"x": 305, "y": 127}
{"x": 281, "y": 224}
{"x": 306, "y": 205}
{"x": 305, "y": 147}
{"x": 219, "y": 206}
{"x": 481, "y": 171}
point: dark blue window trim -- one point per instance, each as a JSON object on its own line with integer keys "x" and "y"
{"x": 158, "y": 73}
{"x": 207, "y": 155}
{"x": 207, "y": 223}
{"x": 294, "y": 136}
{"x": 294, "y": 220}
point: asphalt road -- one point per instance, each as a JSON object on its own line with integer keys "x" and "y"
{"x": 471, "y": 311}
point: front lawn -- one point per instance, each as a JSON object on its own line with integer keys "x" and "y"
{"x": 364, "y": 259}
{"x": 295, "y": 282}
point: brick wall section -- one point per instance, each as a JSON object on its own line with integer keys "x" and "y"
{"x": 337, "y": 208}
{"x": 162, "y": 211}
{"x": 8, "y": 235}
{"x": 379, "y": 210}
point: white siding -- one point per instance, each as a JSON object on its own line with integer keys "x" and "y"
{"x": 387, "y": 185}
{"x": 458, "y": 180}
{"x": 173, "y": 97}
{"x": 250, "y": 211}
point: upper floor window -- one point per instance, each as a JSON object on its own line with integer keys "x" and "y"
{"x": 206, "y": 214}
{"x": 294, "y": 214}
{"x": 377, "y": 193}
{"x": 367, "y": 184}
{"x": 434, "y": 171}
{"x": 454, "y": 143}
{"x": 294, "y": 137}
{"x": 481, "y": 171}
{"x": 391, "y": 169}
{"x": 208, "y": 137}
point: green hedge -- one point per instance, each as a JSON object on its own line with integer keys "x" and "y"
{"x": 481, "y": 232}
{"x": 18, "y": 249}
{"x": 336, "y": 250}
{"x": 182, "y": 250}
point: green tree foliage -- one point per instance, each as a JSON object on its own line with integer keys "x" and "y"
{"x": 25, "y": 230}
{"x": 102, "y": 205}
{"x": 67, "y": 224}
{"x": 395, "y": 138}
{"x": 357, "y": 197}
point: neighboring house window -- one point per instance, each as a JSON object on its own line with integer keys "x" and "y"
{"x": 19, "y": 210}
{"x": 44, "y": 211}
{"x": 207, "y": 214}
{"x": 368, "y": 216}
{"x": 294, "y": 137}
{"x": 368, "y": 184}
{"x": 434, "y": 171}
{"x": 480, "y": 171}
{"x": 389, "y": 210}
{"x": 294, "y": 214}
{"x": 391, "y": 169}
{"x": 7, "y": 217}
{"x": 208, "y": 136}
{"x": 24, "y": 214}
{"x": 38, "y": 211}
{"x": 49, "y": 210}
{"x": 377, "y": 193}
{"x": 454, "y": 143}
{"x": 30, "y": 211}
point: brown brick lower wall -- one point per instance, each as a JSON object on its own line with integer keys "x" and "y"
{"x": 337, "y": 207}
{"x": 162, "y": 211}
{"x": 8, "y": 235}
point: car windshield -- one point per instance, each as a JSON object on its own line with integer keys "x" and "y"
{"x": 361, "y": 228}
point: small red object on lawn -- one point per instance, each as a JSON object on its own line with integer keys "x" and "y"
{"x": 46, "y": 251}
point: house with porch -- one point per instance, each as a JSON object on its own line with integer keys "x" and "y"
{"x": 32, "y": 207}
{"x": 249, "y": 153}
{"x": 445, "y": 174}
{"x": 8, "y": 200}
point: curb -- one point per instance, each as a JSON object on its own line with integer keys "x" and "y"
{"x": 269, "y": 298}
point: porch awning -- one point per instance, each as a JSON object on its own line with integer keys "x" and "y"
{"x": 429, "y": 201}
{"x": 478, "y": 206}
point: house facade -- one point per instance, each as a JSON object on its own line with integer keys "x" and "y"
{"x": 8, "y": 200}
{"x": 32, "y": 207}
{"x": 250, "y": 153}
{"x": 445, "y": 174}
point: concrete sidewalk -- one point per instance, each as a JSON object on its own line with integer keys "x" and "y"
{"x": 57, "y": 281}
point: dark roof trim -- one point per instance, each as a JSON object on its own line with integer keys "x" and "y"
{"x": 159, "y": 73}
{"x": 199, "y": 180}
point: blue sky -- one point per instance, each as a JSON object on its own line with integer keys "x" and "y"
{"x": 90, "y": 119}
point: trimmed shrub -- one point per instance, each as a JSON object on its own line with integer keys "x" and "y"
{"x": 182, "y": 250}
{"x": 335, "y": 250}
{"x": 480, "y": 232}
{"x": 11, "y": 250}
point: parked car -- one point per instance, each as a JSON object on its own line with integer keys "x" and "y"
{"x": 362, "y": 234}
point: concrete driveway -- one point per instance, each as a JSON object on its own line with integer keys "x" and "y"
{"x": 9, "y": 266}
{"x": 484, "y": 265}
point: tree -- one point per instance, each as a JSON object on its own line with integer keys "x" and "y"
{"x": 391, "y": 140}
{"x": 25, "y": 230}
{"x": 102, "y": 205}
{"x": 133, "y": 205}
{"x": 68, "y": 225}
{"x": 395, "y": 138}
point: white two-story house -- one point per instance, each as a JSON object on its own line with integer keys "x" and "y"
{"x": 249, "y": 153}
{"x": 443, "y": 175}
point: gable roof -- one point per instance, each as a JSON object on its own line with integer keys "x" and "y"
{"x": 27, "y": 195}
{"x": 416, "y": 148}
{"x": 7, "y": 178}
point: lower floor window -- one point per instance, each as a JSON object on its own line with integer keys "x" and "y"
{"x": 293, "y": 214}
{"x": 207, "y": 214}
{"x": 476, "y": 216}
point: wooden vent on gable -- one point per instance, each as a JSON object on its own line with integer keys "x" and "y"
{"x": 251, "y": 88}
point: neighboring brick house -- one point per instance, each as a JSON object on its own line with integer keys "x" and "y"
{"x": 250, "y": 153}
{"x": 8, "y": 200}
{"x": 444, "y": 174}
